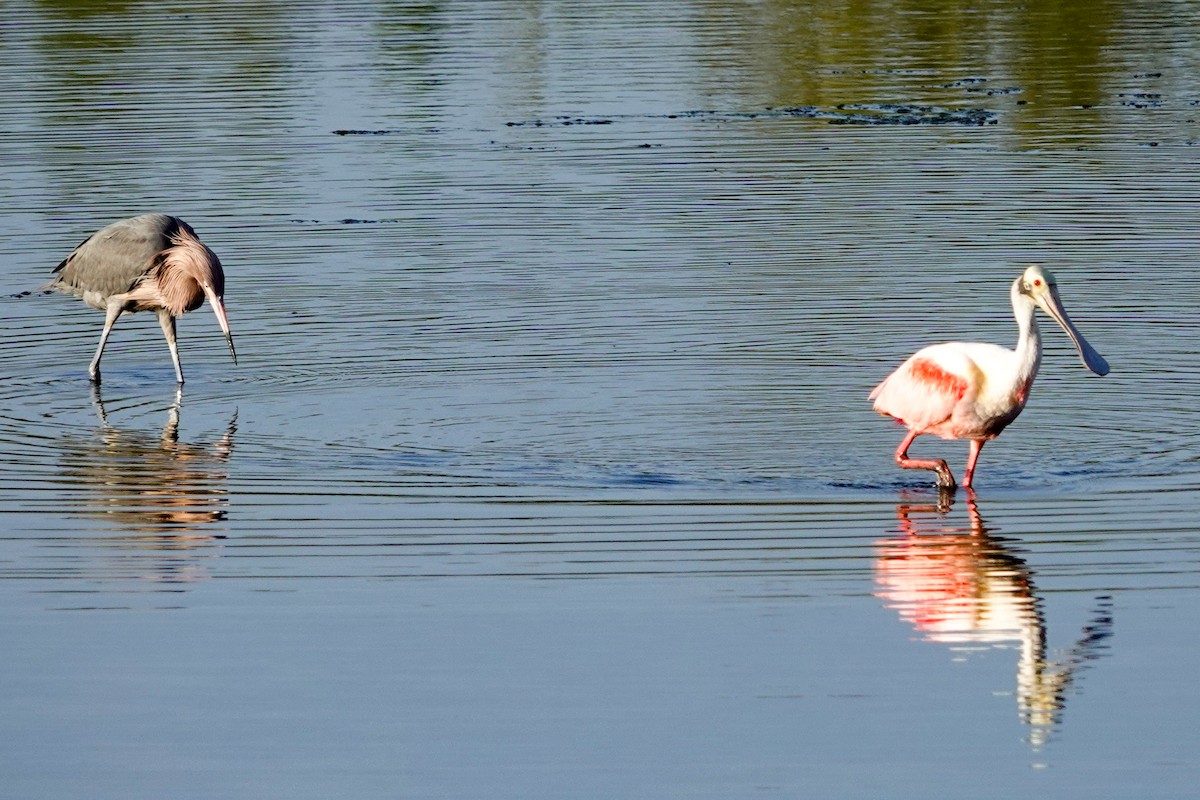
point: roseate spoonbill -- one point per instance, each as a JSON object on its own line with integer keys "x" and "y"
{"x": 969, "y": 390}
{"x": 153, "y": 262}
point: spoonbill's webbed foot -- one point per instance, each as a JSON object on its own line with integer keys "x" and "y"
{"x": 945, "y": 478}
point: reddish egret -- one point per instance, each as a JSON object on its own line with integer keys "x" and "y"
{"x": 967, "y": 390}
{"x": 154, "y": 262}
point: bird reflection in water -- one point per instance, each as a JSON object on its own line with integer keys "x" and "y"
{"x": 159, "y": 493}
{"x": 964, "y": 587}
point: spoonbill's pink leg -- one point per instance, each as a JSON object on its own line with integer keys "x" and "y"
{"x": 972, "y": 457}
{"x": 945, "y": 478}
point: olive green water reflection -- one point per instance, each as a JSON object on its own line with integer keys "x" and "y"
{"x": 547, "y": 469}
{"x": 1057, "y": 57}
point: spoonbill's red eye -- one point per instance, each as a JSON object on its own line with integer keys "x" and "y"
{"x": 1037, "y": 281}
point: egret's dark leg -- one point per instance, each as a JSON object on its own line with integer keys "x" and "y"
{"x": 98, "y": 402}
{"x": 110, "y": 317}
{"x": 945, "y": 477}
{"x": 170, "y": 433}
{"x": 168, "y": 325}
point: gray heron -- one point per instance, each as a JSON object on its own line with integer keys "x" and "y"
{"x": 152, "y": 262}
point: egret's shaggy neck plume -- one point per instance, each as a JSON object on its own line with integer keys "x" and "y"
{"x": 185, "y": 267}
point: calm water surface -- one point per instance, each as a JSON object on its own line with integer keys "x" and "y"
{"x": 548, "y": 469}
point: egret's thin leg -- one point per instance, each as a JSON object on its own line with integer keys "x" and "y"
{"x": 168, "y": 326}
{"x": 972, "y": 457}
{"x": 945, "y": 477}
{"x": 110, "y": 317}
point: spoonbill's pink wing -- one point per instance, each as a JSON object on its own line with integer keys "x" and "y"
{"x": 925, "y": 389}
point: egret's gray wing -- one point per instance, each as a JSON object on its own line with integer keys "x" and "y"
{"x": 113, "y": 259}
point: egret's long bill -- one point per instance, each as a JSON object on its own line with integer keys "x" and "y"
{"x": 1052, "y": 305}
{"x": 218, "y": 308}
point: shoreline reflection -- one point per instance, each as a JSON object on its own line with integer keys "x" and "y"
{"x": 965, "y": 587}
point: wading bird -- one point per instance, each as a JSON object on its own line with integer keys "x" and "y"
{"x": 153, "y": 262}
{"x": 968, "y": 390}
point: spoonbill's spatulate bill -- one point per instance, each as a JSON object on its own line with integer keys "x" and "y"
{"x": 153, "y": 262}
{"x": 970, "y": 390}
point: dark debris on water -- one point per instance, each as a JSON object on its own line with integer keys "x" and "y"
{"x": 845, "y": 114}
{"x": 896, "y": 114}
{"x": 345, "y": 221}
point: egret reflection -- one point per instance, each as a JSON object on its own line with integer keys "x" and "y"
{"x": 158, "y": 491}
{"x": 960, "y": 585}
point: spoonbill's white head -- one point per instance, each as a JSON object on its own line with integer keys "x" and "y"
{"x": 1038, "y": 285}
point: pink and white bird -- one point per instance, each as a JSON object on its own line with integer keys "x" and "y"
{"x": 970, "y": 390}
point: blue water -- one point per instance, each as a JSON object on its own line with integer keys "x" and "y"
{"x": 547, "y": 468}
